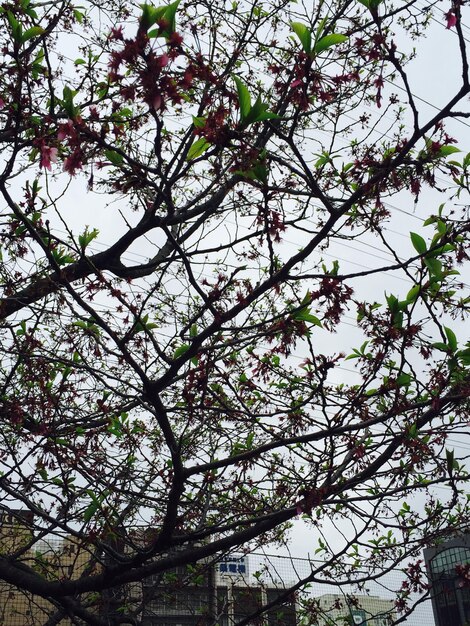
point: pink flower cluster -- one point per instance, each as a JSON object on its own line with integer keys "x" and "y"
{"x": 451, "y": 19}
{"x": 67, "y": 134}
{"x": 48, "y": 155}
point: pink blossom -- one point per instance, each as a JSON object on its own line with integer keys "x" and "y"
{"x": 451, "y": 19}
{"x": 73, "y": 162}
{"x": 116, "y": 33}
{"x": 163, "y": 60}
{"x": 2, "y": 102}
{"x": 296, "y": 83}
{"x": 65, "y": 130}
{"x": 175, "y": 39}
{"x": 94, "y": 112}
{"x": 48, "y": 156}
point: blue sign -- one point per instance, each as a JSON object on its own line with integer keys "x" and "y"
{"x": 233, "y": 565}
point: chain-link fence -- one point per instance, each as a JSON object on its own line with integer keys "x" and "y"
{"x": 231, "y": 590}
{"x": 334, "y": 598}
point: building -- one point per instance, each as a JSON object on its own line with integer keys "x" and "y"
{"x": 202, "y": 594}
{"x": 360, "y": 610}
{"x": 213, "y": 593}
{"x": 205, "y": 593}
{"x": 55, "y": 558}
{"x": 448, "y": 565}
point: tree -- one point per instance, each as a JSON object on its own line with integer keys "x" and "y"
{"x": 169, "y": 364}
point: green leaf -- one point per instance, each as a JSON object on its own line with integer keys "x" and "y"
{"x": 68, "y": 96}
{"x": 413, "y": 294}
{"x": 79, "y": 62}
{"x": 434, "y": 266}
{"x": 370, "y": 4}
{"x": 89, "y": 327}
{"x": 61, "y": 257}
{"x": 114, "y": 157}
{"x": 142, "y": 324}
{"x": 266, "y": 115}
{"x": 324, "y": 159}
{"x": 93, "y": 507}
{"x": 257, "y": 172}
{"x": 125, "y": 112}
{"x": 448, "y": 247}
{"x": 431, "y": 220}
{"x": 34, "y": 31}
{"x": 464, "y": 357}
{"x": 87, "y": 237}
{"x": 90, "y": 510}
{"x": 329, "y": 40}
{"x": 170, "y": 16}
{"x": 398, "y": 320}
{"x": 37, "y": 67}
{"x": 418, "y": 243}
{"x": 312, "y": 319}
{"x": 151, "y": 15}
{"x": 199, "y": 122}
{"x": 404, "y": 380}
{"x": 198, "y": 148}
{"x": 320, "y": 28}
{"x": 255, "y": 111}
{"x": 451, "y": 339}
{"x": 258, "y": 113}
{"x": 304, "y": 315}
{"x": 450, "y": 460}
{"x": 15, "y": 26}
{"x": 260, "y": 172}
{"x": 304, "y": 35}
{"x": 448, "y": 150}
{"x": 180, "y": 351}
{"x": 392, "y": 302}
{"x": 244, "y": 99}
{"x": 439, "y": 345}
{"x": 79, "y": 16}
{"x": 61, "y": 442}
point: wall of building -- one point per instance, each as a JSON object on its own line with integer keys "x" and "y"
{"x": 359, "y": 610}
{"x": 221, "y": 593}
{"x": 450, "y": 591}
{"x": 55, "y": 558}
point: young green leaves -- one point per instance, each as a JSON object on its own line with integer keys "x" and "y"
{"x": 430, "y": 256}
{"x": 197, "y": 148}
{"x": 304, "y": 315}
{"x": 304, "y": 34}
{"x": 320, "y": 44}
{"x": 166, "y": 16}
{"x": 21, "y": 37}
{"x": 372, "y": 5}
{"x": 251, "y": 114}
{"x": 67, "y": 102}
